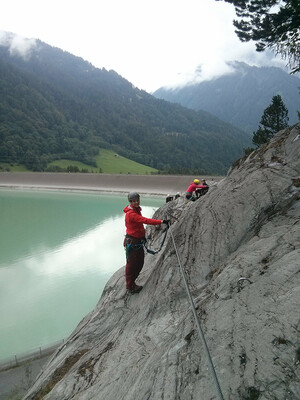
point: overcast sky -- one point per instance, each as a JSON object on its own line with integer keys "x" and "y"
{"x": 151, "y": 43}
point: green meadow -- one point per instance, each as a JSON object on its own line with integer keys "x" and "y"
{"x": 112, "y": 163}
{"x": 107, "y": 161}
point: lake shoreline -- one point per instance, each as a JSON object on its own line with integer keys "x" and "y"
{"x": 147, "y": 185}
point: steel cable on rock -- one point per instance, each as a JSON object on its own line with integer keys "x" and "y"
{"x": 211, "y": 365}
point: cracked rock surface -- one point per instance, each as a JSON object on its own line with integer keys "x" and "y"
{"x": 240, "y": 249}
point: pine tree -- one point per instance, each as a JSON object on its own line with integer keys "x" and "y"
{"x": 274, "y": 119}
{"x": 271, "y": 24}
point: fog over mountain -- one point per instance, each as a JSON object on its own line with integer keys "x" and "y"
{"x": 240, "y": 96}
{"x": 55, "y": 105}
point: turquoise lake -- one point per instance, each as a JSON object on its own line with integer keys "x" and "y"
{"x": 57, "y": 251}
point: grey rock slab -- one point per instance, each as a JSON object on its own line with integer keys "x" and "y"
{"x": 147, "y": 347}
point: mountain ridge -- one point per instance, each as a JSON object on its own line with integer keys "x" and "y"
{"x": 73, "y": 109}
{"x": 239, "y": 97}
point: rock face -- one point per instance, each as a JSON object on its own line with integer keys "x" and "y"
{"x": 147, "y": 346}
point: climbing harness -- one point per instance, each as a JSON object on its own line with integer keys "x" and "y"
{"x": 130, "y": 245}
{"x": 218, "y": 388}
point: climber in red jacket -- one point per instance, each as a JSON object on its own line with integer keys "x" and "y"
{"x": 191, "y": 189}
{"x": 135, "y": 240}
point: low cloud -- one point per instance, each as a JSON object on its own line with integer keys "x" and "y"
{"x": 224, "y": 64}
{"x": 18, "y": 45}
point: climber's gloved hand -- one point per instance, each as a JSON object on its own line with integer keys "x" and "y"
{"x": 166, "y": 221}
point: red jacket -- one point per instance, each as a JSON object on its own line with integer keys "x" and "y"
{"x": 134, "y": 221}
{"x": 193, "y": 187}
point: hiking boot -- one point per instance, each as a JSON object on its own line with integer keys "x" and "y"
{"x": 137, "y": 289}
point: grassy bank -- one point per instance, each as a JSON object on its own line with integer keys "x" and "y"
{"x": 107, "y": 162}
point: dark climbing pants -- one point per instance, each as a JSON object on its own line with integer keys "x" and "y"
{"x": 134, "y": 261}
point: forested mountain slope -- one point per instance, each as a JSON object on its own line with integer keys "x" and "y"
{"x": 55, "y": 105}
{"x": 240, "y": 97}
